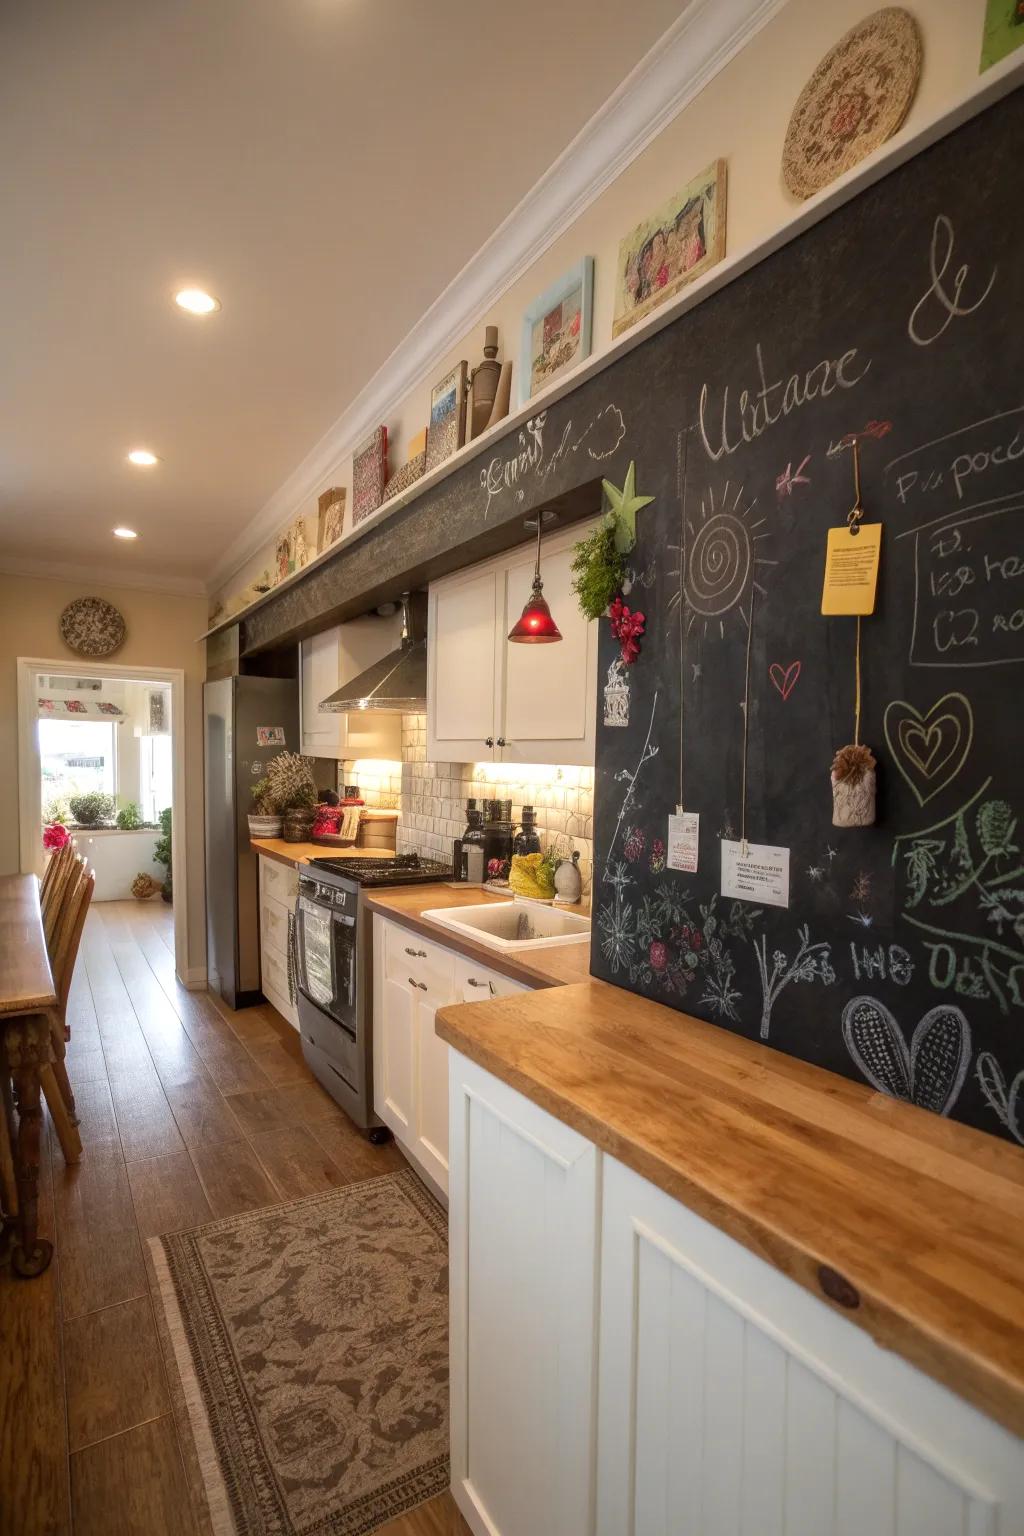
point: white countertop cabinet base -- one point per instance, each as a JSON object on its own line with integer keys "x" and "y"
{"x": 707, "y": 1395}
{"x": 412, "y": 978}
{"x": 523, "y": 1222}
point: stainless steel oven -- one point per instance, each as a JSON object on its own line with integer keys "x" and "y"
{"x": 333, "y": 963}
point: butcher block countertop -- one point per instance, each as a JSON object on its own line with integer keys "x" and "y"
{"x": 909, "y": 1224}
{"x": 534, "y": 968}
{"x": 301, "y": 853}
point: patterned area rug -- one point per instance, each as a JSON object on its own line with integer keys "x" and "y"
{"x": 311, "y": 1340}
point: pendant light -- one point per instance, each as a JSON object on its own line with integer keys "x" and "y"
{"x": 536, "y": 625}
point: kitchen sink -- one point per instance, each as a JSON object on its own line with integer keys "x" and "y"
{"x": 514, "y": 925}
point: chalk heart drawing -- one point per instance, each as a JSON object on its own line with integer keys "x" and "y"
{"x": 784, "y": 678}
{"x": 929, "y": 750}
{"x": 930, "y": 1073}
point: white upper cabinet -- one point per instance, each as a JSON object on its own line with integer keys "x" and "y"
{"x": 461, "y": 667}
{"x": 331, "y": 659}
{"x": 490, "y": 701}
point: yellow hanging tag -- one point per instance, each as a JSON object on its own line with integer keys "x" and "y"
{"x": 851, "y": 569}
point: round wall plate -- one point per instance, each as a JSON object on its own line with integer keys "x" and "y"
{"x": 857, "y": 98}
{"x": 91, "y": 626}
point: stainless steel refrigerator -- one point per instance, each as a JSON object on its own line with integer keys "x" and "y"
{"x": 249, "y": 721}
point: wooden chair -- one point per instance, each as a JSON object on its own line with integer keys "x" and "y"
{"x": 52, "y": 905}
{"x": 63, "y": 948}
{"x": 53, "y": 864}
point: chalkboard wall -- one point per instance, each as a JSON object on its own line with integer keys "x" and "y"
{"x": 900, "y": 956}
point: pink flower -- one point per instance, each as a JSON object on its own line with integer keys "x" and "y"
{"x": 658, "y": 955}
{"x": 55, "y": 836}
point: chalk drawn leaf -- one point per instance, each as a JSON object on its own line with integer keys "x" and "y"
{"x": 930, "y": 749}
{"x": 1007, "y": 1103}
{"x": 876, "y": 1044}
{"x": 785, "y": 678}
{"x": 940, "y": 1053}
{"x": 931, "y": 1073}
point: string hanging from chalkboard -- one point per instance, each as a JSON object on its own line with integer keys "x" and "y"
{"x": 853, "y": 766}
{"x": 746, "y": 725}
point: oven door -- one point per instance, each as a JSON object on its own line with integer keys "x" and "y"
{"x": 325, "y": 954}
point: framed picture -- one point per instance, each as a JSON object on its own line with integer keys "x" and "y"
{"x": 369, "y": 474}
{"x": 1004, "y": 30}
{"x": 675, "y": 245}
{"x": 556, "y": 329}
{"x": 447, "y": 429}
{"x": 330, "y": 518}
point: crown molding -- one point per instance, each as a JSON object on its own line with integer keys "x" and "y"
{"x": 48, "y": 570}
{"x": 699, "y": 43}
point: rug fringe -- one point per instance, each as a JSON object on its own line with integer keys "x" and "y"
{"x": 221, "y": 1519}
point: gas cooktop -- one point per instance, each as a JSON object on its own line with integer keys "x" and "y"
{"x": 404, "y": 869}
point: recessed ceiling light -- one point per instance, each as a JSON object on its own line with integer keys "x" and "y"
{"x": 125, "y": 533}
{"x": 143, "y": 457}
{"x": 196, "y": 301}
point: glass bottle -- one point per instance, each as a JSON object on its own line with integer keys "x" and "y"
{"x": 527, "y": 839}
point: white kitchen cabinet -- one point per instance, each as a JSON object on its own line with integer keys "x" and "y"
{"x": 489, "y": 701}
{"x": 279, "y": 888}
{"x": 331, "y": 659}
{"x": 412, "y": 978}
{"x": 621, "y": 1367}
{"x": 523, "y": 1235}
{"x": 731, "y": 1400}
{"x": 462, "y": 663}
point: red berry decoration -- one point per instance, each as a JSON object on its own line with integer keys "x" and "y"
{"x": 627, "y": 629}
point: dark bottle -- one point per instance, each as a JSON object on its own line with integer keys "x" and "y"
{"x": 472, "y": 861}
{"x": 497, "y": 839}
{"x": 527, "y": 839}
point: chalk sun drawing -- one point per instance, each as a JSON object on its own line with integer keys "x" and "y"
{"x": 719, "y": 567}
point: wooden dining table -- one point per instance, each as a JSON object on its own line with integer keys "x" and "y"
{"x": 27, "y": 993}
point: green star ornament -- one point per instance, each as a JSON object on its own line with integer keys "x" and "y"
{"x": 623, "y": 508}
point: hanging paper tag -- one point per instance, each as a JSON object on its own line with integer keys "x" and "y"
{"x": 756, "y": 872}
{"x": 851, "y": 570}
{"x": 684, "y": 841}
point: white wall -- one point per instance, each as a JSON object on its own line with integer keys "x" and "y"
{"x": 740, "y": 115}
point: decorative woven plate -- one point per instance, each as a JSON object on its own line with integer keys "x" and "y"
{"x": 92, "y": 627}
{"x": 857, "y": 97}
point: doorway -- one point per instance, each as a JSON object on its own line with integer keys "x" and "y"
{"x": 101, "y": 754}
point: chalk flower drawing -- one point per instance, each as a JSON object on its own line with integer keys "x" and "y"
{"x": 630, "y": 780}
{"x": 964, "y": 886}
{"x": 812, "y": 962}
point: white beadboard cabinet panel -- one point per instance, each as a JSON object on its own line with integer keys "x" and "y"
{"x": 463, "y": 667}
{"x": 523, "y": 1231}
{"x": 731, "y": 1402}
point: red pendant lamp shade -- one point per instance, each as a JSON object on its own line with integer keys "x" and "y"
{"x": 535, "y": 625}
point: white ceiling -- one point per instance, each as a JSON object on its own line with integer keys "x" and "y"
{"x": 324, "y": 166}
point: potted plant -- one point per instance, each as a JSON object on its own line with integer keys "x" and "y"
{"x": 129, "y": 818}
{"x": 265, "y": 816}
{"x": 162, "y": 852}
{"x": 92, "y": 810}
{"x": 291, "y": 777}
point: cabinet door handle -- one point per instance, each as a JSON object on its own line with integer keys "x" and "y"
{"x": 421, "y": 984}
{"x": 471, "y": 981}
{"x": 488, "y": 741}
{"x": 501, "y": 741}
{"x": 417, "y": 954}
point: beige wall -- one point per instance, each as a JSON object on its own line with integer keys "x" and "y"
{"x": 162, "y": 632}
{"x": 741, "y": 116}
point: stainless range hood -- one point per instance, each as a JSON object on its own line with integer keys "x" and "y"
{"x": 397, "y": 684}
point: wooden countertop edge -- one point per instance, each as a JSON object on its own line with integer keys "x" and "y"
{"x": 486, "y": 954}
{"x": 938, "y": 1353}
{"x": 267, "y": 848}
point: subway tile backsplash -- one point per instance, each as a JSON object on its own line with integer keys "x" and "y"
{"x": 432, "y": 796}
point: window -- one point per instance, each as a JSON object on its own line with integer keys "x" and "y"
{"x": 154, "y": 775}
{"x": 76, "y": 757}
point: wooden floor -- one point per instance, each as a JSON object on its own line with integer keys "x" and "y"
{"x": 188, "y": 1111}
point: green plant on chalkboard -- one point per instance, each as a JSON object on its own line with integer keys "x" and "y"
{"x": 598, "y": 572}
